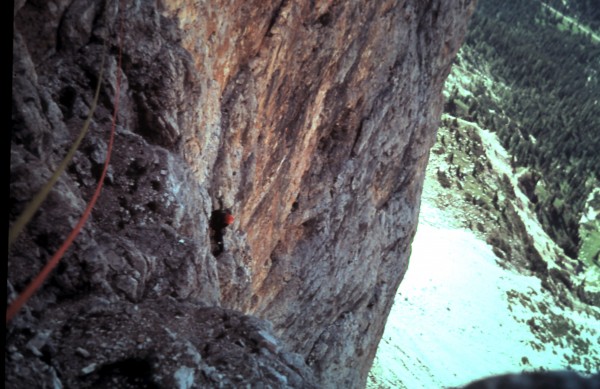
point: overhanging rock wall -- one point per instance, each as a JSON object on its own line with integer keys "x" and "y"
{"x": 311, "y": 120}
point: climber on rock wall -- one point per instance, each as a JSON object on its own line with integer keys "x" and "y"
{"x": 219, "y": 220}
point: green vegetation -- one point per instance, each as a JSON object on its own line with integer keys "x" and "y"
{"x": 516, "y": 161}
{"x": 545, "y": 107}
{"x": 589, "y": 253}
{"x": 587, "y": 12}
{"x": 551, "y": 133}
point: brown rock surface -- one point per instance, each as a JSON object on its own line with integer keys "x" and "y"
{"x": 312, "y": 121}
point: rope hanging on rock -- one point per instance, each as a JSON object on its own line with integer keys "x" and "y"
{"x": 38, "y": 199}
{"x": 18, "y": 303}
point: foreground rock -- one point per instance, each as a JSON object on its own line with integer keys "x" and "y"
{"x": 157, "y": 344}
{"x": 546, "y": 380}
{"x": 311, "y": 121}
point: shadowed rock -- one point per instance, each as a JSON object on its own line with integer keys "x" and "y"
{"x": 311, "y": 121}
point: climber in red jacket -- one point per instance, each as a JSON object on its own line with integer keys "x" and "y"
{"x": 219, "y": 220}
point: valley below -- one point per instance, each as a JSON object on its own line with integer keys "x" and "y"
{"x": 460, "y": 316}
{"x": 487, "y": 291}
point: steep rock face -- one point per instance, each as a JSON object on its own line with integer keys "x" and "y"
{"x": 311, "y": 121}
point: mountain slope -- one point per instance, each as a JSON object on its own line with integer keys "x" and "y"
{"x": 516, "y": 145}
{"x": 547, "y": 111}
{"x": 493, "y": 293}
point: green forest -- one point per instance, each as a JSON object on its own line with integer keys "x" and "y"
{"x": 545, "y": 60}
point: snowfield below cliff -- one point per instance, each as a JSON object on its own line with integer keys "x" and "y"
{"x": 455, "y": 318}
{"x": 466, "y": 310}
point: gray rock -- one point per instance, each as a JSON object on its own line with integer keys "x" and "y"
{"x": 182, "y": 345}
{"x": 535, "y": 380}
{"x": 311, "y": 121}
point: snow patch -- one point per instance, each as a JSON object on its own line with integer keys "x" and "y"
{"x": 184, "y": 377}
{"x": 455, "y": 318}
{"x": 591, "y": 214}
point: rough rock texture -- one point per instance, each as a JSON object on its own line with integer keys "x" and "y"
{"x": 538, "y": 380}
{"x": 171, "y": 345}
{"x": 311, "y": 120}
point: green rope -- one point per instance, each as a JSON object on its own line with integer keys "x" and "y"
{"x": 35, "y": 204}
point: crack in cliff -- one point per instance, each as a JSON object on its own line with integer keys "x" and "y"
{"x": 275, "y": 15}
{"x": 424, "y": 32}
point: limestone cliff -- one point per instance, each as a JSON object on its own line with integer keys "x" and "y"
{"x": 311, "y": 120}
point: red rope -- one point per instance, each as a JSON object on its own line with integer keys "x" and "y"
{"x": 34, "y": 285}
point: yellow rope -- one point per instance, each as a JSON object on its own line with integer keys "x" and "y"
{"x": 35, "y": 204}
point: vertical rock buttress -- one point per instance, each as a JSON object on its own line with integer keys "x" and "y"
{"x": 325, "y": 121}
{"x": 310, "y": 120}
